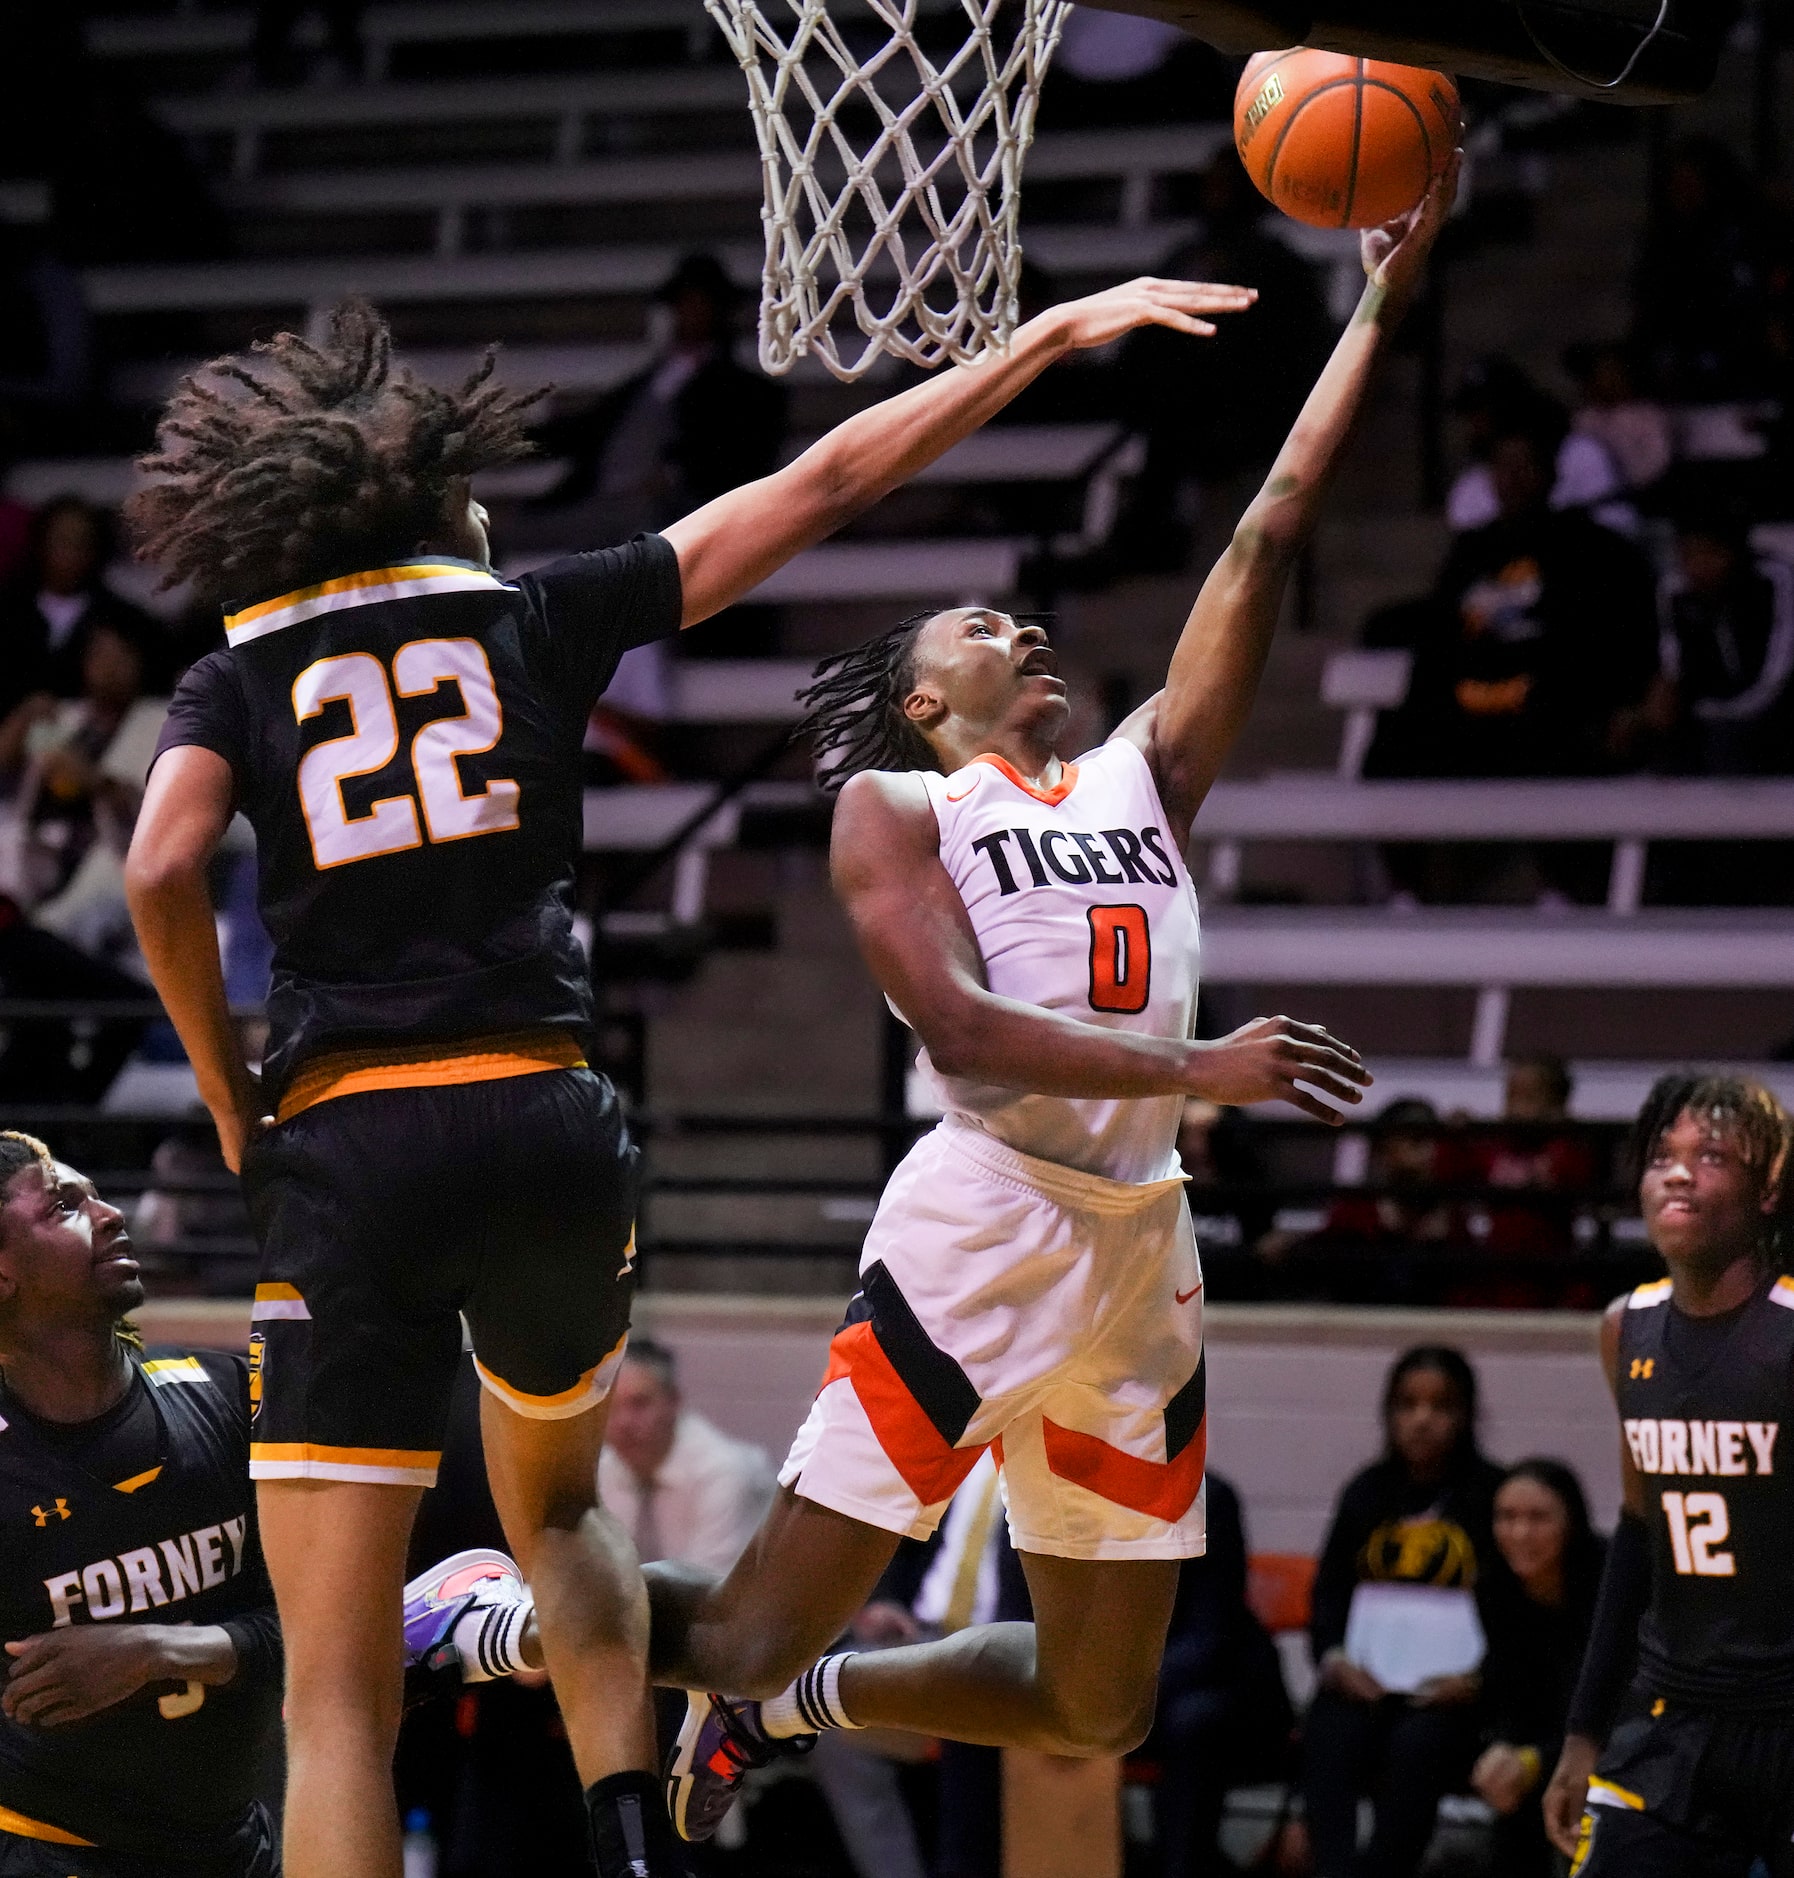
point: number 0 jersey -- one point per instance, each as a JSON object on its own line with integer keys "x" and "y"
{"x": 1081, "y": 904}
{"x": 406, "y": 743}
{"x": 1704, "y": 1403}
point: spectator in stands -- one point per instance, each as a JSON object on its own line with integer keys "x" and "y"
{"x": 1631, "y": 428}
{"x": 1723, "y": 701}
{"x": 278, "y": 61}
{"x": 683, "y": 1488}
{"x": 1539, "y": 634}
{"x": 1537, "y": 1615}
{"x": 78, "y": 768}
{"x": 1224, "y": 1718}
{"x": 1223, "y": 413}
{"x": 1495, "y": 399}
{"x": 694, "y": 424}
{"x": 1701, "y": 288}
{"x": 1419, "y": 1516}
{"x": 57, "y": 597}
{"x": 1542, "y": 1156}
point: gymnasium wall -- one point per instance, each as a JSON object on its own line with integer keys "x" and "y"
{"x": 1293, "y": 1389}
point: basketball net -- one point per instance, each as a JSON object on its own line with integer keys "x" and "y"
{"x": 892, "y": 183}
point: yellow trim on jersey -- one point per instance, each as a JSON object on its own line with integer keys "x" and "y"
{"x": 162, "y": 1370}
{"x": 278, "y": 1300}
{"x": 308, "y": 1460}
{"x": 22, "y": 1827}
{"x": 429, "y": 1066}
{"x": 1605, "y": 1793}
{"x": 407, "y": 582}
{"x": 1782, "y": 1293}
{"x": 137, "y": 1480}
{"x": 1656, "y": 1292}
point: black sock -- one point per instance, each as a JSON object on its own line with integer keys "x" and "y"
{"x": 631, "y": 1834}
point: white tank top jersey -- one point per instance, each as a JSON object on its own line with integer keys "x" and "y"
{"x": 1082, "y": 904}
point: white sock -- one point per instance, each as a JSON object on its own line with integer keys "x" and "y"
{"x": 489, "y": 1638}
{"x": 811, "y": 1704}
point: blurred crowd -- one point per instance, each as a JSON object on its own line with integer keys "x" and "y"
{"x": 1289, "y": 1699}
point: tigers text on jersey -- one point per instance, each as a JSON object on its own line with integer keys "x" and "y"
{"x": 1081, "y": 904}
{"x": 1703, "y": 1403}
{"x": 406, "y": 743}
{"x": 174, "y": 1770}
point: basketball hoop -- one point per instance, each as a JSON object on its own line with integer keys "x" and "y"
{"x": 864, "y": 131}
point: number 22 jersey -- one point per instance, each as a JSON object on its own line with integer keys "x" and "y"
{"x": 1081, "y": 904}
{"x": 405, "y": 742}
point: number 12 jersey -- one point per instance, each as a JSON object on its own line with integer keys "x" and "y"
{"x": 405, "y": 742}
{"x": 1081, "y": 904}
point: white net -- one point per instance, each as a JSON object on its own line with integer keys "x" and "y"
{"x": 891, "y": 134}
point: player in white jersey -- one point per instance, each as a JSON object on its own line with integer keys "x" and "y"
{"x": 1030, "y": 1282}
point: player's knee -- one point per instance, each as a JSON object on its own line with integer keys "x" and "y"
{"x": 1096, "y": 1730}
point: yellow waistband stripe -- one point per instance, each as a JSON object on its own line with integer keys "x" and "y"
{"x": 429, "y": 1066}
{"x": 22, "y": 1827}
{"x": 1605, "y": 1793}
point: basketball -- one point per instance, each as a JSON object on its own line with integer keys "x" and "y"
{"x": 1339, "y": 142}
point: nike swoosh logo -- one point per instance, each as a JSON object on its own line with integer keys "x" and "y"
{"x": 1183, "y": 1297}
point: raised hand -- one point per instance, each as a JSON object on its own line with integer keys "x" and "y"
{"x": 1262, "y": 1061}
{"x": 1179, "y": 304}
{"x": 1395, "y": 253}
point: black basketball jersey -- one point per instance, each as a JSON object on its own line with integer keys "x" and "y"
{"x": 1704, "y": 1403}
{"x": 406, "y": 742}
{"x": 174, "y": 1768}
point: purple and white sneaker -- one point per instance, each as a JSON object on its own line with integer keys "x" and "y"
{"x": 436, "y": 1602}
{"x": 719, "y": 1745}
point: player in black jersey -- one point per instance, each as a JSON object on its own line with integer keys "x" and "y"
{"x": 402, "y": 727}
{"x": 1679, "y": 1759}
{"x": 143, "y": 1688}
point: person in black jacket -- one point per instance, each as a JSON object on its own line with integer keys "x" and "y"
{"x": 1420, "y": 1515}
{"x": 1537, "y": 1616}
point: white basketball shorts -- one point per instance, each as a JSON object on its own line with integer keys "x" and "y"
{"x": 1054, "y": 1315}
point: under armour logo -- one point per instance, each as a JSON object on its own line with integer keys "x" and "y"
{"x": 43, "y": 1515}
{"x": 1642, "y": 1367}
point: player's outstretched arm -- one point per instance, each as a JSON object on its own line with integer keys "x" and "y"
{"x": 186, "y": 809}
{"x": 915, "y": 935}
{"x": 729, "y": 546}
{"x": 1187, "y": 729}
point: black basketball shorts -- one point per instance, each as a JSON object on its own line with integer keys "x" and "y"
{"x": 1690, "y": 1793}
{"x": 384, "y": 1216}
{"x": 250, "y": 1851}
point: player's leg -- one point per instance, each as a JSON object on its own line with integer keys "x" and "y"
{"x": 591, "y": 1606}
{"x": 1618, "y": 1842}
{"x": 353, "y": 1349}
{"x": 336, "y": 1554}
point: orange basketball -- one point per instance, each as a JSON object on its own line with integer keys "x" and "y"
{"x": 1339, "y": 142}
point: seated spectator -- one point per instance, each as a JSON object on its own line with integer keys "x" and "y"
{"x": 1701, "y": 287}
{"x": 79, "y": 767}
{"x": 1723, "y": 702}
{"x": 1410, "y": 1161}
{"x": 1419, "y": 1516}
{"x": 57, "y": 597}
{"x": 1631, "y": 428}
{"x": 691, "y": 426}
{"x": 1537, "y": 1615}
{"x": 1224, "y": 1719}
{"x": 1541, "y": 630}
{"x": 683, "y": 1488}
{"x": 1496, "y": 398}
{"x": 1534, "y": 1158}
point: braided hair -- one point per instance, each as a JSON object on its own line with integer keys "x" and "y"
{"x": 854, "y": 708}
{"x": 296, "y": 462}
{"x": 1750, "y": 1115}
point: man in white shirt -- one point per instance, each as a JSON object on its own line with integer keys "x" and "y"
{"x": 683, "y": 1488}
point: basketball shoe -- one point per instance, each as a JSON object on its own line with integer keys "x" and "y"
{"x": 464, "y": 1619}
{"x": 721, "y": 1743}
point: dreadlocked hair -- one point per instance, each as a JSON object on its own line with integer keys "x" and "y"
{"x": 296, "y": 461}
{"x": 1745, "y": 1111}
{"x": 853, "y": 711}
